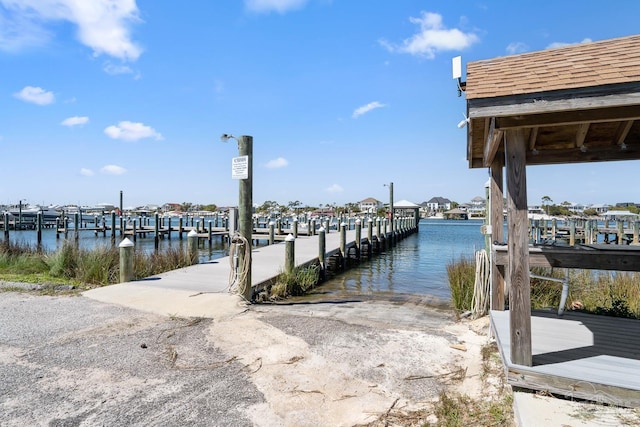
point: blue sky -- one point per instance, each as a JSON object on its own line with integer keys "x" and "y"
{"x": 340, "y": 96}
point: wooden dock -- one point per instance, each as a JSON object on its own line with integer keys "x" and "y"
{"x": 191, "y": 291}
{"x": 578, "y": 355}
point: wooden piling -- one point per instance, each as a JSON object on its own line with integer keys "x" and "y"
{"x": 289, "y": 254}
{"x": 322, "y": 248}
{"x": 126, "y": 260}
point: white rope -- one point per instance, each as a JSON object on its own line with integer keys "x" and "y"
{"x": 480, "y": 301}
{"x": 238, "y": 273}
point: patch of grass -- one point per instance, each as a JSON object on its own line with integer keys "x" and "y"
{"x": 456, "y": 410}
{"x": 295, "y": 283}
{"x": 462, "y": 276}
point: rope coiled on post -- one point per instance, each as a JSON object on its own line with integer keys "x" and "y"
{"x": 238, "y": 272}
{"x": 480, "y": 300}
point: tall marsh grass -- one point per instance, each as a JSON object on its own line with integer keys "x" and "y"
{"x": 462, "y": 276}
{"x": 610, "y": 293}
{"x": 96, "y": 266}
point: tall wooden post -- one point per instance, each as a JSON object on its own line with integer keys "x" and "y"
{"x": 245, "y": 205}
{"x": 518, "y": 247}
{"x": 496, "y": 219}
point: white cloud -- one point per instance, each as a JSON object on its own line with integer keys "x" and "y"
{"x": 102, "y": 25}
{"x": 86, "y": 172}
{"x": 35, "y": 95}
{"x": 130, "y": 131}
{"x": 433, "y": 37}
{"x": 75, "y": 121}
{"x": 563, "y": 44}
{"x": 18, "y": 32}
{"x": 517, "y": 47}
{"x": 335, "y": 188}
{"x": 113, "y": 170}
{"x": 366, "y": 108}
{"x": 115, "y": 70}
{"x": 280, "y": 162}
{"x": 280, "y": 6}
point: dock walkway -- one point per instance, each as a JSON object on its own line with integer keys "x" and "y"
{"x": 202, "y": 290}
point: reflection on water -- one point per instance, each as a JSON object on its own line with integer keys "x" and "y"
{"x": 415, "y": 267}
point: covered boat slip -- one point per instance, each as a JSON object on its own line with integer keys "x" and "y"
{"x": 567, "y": 105}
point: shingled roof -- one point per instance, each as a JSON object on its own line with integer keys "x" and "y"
{"x": 577, "y": 66}
{"x": 575, "y": 104}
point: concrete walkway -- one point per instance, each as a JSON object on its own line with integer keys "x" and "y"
{"x": 202, "y": 290}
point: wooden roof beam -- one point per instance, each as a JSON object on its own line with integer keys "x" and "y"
{"x": 622, "y": 132}
{"x": 574, "y": 117}
{"x": 582, "y": 134}
{"x": 533, "y": 137}
{"x": 492, "y": 143}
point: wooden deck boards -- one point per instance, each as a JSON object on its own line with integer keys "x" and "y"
{"x": 578, "y": 355}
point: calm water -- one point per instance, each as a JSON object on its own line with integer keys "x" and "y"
{"x": 416, "y": 266}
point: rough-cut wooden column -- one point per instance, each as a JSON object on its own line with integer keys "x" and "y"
{"x": 518, "y": 247}
{"x": 497, "y": 230}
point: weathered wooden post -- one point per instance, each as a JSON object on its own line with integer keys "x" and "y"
{"x": 126, "y": 260}
{"x": 6, "y": 227}
{"x": 156, "y": 238}
{"x": 370, "y": 236}
{"x": 180, "y": 227}
{"x": 39, "y": 228}
{"x": 572, "y": 232}
{"x": 289, "y": 254}
{"x": 113, "y": 227}
{"x": 295, "y": 228}
{"x": 210, "y": 230}
{"x": 326, "y": 226}
{"x": 313, "y": 227}
{"x": 76, "y": 223}
{"x": 169, "y": 228}
{"x": 620, "y": 224}
{"x": 322, "y": 248}
{"x": 272, "y": 232}
{"x": 378, "y": 227}
{"x": 134, "y": 230}
{"x": 358, "y": 226}
{"x": 192, "y": 246}
{"x": 343, "y": 243}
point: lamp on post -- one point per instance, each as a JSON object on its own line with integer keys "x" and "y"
{"x": 242, "y": 169}
{"x": 390, "y": 185}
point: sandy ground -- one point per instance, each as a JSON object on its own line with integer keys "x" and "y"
{"x": 77, "y": 361}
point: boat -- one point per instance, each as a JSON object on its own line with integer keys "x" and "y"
{"x": 29, "y": 213}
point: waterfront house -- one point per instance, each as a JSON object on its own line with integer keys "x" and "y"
{"x": 438, "y": 204}
{"x": 370, "y": 205}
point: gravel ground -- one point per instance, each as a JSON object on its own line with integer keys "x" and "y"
{"x": 67, "y": 361}
{"x": 75, "y": 361}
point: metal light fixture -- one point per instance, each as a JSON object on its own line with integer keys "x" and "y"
{"x": 463, "y": 122}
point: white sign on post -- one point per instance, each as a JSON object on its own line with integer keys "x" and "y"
{"x": 240, "y": 167}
